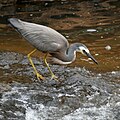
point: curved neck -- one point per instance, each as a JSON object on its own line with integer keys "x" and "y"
{"x": 71, "y": 52}
{"x": 67, "y": 55}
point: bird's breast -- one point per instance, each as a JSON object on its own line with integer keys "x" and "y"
{"x": 58, "y": 61}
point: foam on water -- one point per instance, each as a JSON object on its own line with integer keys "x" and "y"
{"x": 42, "y": 112}
{"x": 32, "y": 114}
{"x": 39, "y": 112}
{"x": 92, "y": 113}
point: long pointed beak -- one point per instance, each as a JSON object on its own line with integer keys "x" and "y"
{"x": 90, "y": 56}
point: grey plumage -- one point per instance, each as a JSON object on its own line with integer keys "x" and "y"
{"x": 50, "y": 41}
{"x": 40, "y": 36}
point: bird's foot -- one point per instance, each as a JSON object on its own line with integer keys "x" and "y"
{"x": 39, "y": 77}
{"x": 54, "y": 77}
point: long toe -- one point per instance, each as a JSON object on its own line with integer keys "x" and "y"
{"x": 54, "y": 77}
{"x": 40, "y": 77}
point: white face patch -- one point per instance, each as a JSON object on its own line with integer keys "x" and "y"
{"x": 81, "y": 49}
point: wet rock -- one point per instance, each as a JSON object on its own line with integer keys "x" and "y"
{"x": 4, "y": 87}
{"x": 77, "y": 90}
{"x": 11, "y": 110}
{"x": 41, "y": 98}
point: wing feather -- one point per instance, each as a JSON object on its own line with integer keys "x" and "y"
{"x": 41, "y": 37}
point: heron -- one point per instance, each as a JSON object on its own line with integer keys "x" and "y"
{"x": 49, "y": 41}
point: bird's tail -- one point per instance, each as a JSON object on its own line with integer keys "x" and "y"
{"x": 16, "y": 23}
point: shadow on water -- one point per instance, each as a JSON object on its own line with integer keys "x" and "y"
{"x": 85, "y": 90}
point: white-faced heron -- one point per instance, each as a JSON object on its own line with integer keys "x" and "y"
{"x": 49, "y": 41}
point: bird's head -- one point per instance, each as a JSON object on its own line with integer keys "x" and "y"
{"x": 84, "y": 50}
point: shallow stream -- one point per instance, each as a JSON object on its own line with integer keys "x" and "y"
{"x": 85, "y": 91}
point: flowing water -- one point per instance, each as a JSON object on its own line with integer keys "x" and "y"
{"x": 85, "y": 91}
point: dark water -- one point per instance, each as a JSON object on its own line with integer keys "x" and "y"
{"x": 96, "y": 24}
{"x": 85, "y": 91}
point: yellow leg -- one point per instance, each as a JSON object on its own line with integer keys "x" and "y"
{"x": 36, "y": 72}
{"x": 52, "y": 74}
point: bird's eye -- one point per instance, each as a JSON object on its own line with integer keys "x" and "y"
{"x": 84, "y": 51}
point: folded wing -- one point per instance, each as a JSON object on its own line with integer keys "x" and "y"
{"x": 41, "y": 37}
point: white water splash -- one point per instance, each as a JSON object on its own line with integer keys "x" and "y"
{"x": 92, "y": 113}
